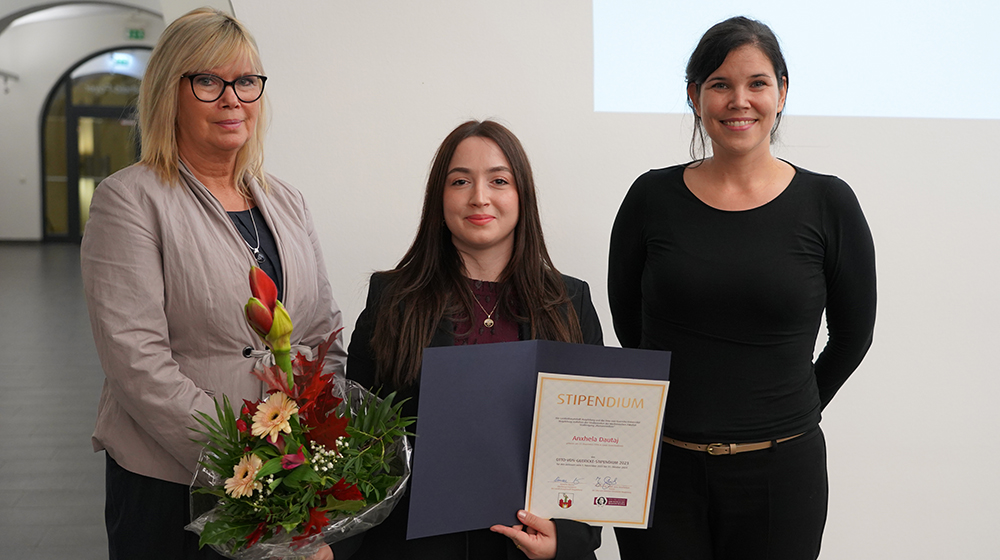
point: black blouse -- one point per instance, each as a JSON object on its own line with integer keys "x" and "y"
{"x": 255, "y": 230}
{"x": 738, "y": 297}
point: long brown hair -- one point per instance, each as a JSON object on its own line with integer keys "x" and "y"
{"x": 428, "y": 284}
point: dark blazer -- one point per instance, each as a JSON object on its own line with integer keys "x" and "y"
{"x": 577, "y": 541}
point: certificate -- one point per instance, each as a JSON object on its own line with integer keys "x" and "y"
{"x": 594, "y": 444}
{"x": 473, "y": 444}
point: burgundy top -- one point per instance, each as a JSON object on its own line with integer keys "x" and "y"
{"x": 504, "y": 328}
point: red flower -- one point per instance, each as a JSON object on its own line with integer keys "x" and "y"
{"x": 263, "y": 288}
{"x": 269, "y": 319}
{"x": 293, "y": 460}
{"x": 259, "y": 317}
{"x": 242, "y": 426}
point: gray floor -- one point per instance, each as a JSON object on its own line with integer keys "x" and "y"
{"x": 51, "y": 482}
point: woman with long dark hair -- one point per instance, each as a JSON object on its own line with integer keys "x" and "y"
{"x": 730, "y": 261}
{"x": 477, "y": 272}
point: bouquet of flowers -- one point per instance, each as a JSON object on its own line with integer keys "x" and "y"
{"x": 319, "y": 459}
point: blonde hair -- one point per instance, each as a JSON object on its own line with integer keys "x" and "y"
{"x": 197, "y": 41}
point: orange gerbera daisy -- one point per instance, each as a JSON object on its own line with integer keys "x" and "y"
{"x": 243, "y": 483}
{"x": 272, "y": 417}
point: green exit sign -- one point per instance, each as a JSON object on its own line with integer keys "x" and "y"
{"x": 137, "y": 34}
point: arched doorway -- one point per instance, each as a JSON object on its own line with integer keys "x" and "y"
{"x": 87, "y": 134}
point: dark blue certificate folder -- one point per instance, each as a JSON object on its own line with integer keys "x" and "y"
{"x": 470, "y": 462}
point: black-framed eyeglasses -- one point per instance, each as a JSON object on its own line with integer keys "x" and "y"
{"x": 209, "y": 87}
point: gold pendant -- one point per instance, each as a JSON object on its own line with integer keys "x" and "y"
{"x": 488, "y": 323}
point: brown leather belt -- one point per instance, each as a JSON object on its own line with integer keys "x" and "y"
{"x": 726, "y": 448}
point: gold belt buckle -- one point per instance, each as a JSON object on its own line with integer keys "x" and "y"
{"x": 717, "y": 449}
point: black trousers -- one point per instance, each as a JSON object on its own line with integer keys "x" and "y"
{"x": 145, "y": 518}
{"x": 769, "y": 504}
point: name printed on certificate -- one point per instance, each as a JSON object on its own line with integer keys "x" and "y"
{"x": 594, "y": 443}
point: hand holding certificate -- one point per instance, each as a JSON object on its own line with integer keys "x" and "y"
{"x": 535, "y": 536}
{"x": 594, "y": 445}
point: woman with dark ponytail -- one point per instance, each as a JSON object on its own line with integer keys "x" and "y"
{"x": 730, "y": 261}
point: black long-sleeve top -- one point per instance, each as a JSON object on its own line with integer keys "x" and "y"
{"x": 738, "y": 297}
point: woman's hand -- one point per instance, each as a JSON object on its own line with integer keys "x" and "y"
{"x": 323, "y": 554}
{"x": 536, "y": 537}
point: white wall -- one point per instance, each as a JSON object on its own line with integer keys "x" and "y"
{"x": 39, "y": 53}
{"x": 363, "y": 92}
{"x": 173, "y": 9}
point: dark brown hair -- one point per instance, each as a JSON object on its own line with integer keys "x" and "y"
{"x": 429, "y": 284}
{"x": 712, "y": 50}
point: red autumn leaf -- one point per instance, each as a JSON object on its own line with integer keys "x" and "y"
{"x": 257, "y": 533}
{"x": 249, "y": 408}
{"x": 275, "y": 379}
{"x": 328, "y": 430}
{"x": 346, "y": 492}
{"x": 317, "y": 520}
{"x": 316, "y": 400}
{"x": 323, "y": 407}
{"x": 310, "y": 387}
{"x": 313, "y": 388}
{"x": 322, "y": 349}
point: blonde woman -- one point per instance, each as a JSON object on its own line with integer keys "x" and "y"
{"x": 165, "y": 259}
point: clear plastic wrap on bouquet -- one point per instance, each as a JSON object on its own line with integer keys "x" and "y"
{"x": 344, "y": 525}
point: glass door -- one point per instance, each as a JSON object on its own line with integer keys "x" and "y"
{"x": 104, "y": 145}
{"x": 89, "y": 133}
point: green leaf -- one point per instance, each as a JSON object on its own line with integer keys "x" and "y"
{"x": 300, "y": 474}
{"x": 270, "y": 467}
{"x": 221, "y": 532}
{"x": 349, "y": 506}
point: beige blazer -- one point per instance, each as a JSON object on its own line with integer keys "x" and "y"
{"x": 165, "y": 276}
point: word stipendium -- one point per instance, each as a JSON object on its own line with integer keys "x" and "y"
{"x": 597, "y": 400}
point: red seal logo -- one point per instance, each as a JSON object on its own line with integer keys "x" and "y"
{"x": 565, "y": 500}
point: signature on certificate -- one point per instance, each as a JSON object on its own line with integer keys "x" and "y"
{"x": 606, "y": 482}
{"x": 576, "y": 480}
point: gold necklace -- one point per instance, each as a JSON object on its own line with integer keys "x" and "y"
{"x": 488, "y": 322}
